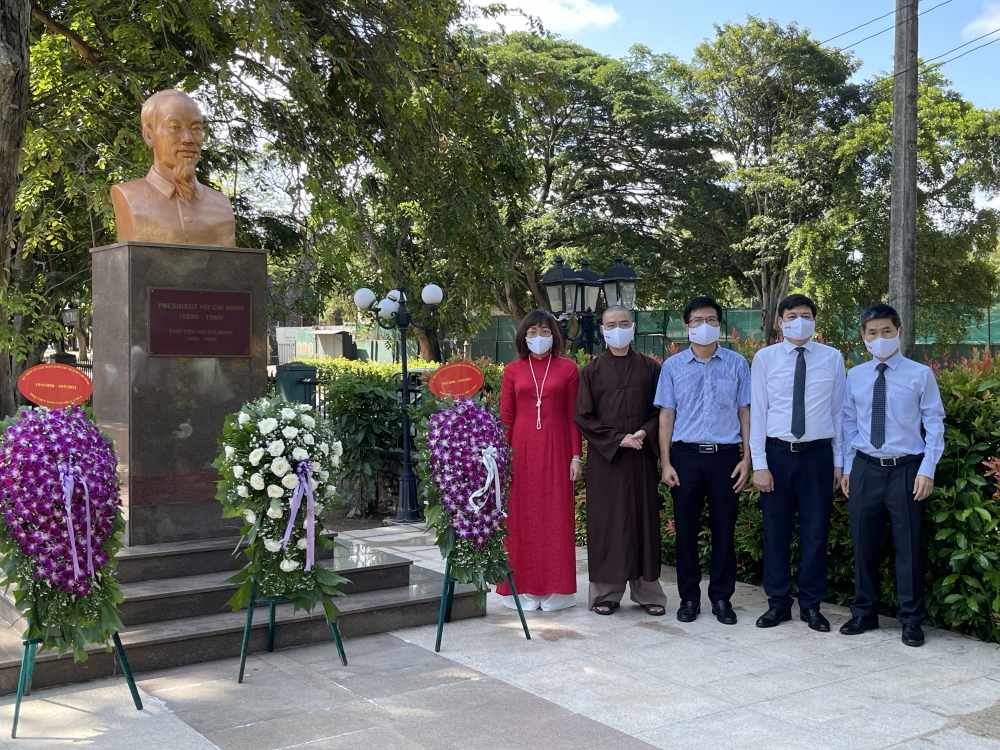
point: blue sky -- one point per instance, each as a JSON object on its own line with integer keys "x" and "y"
{"x": 678, "y": 26}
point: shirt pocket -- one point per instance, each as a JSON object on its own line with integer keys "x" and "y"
{"x": 724, "y": 391}
{"x": 903, "y": 404}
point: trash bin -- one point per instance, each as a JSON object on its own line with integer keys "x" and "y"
{"x": 287, "y": 382}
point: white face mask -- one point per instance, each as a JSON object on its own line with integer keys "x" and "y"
{"x": 539, "y": 344}
{"x": 619, "y": 338}
{"x": 798, "y": 329}
{"x": 704, "y": 334}
{"x": 883, "y": 348}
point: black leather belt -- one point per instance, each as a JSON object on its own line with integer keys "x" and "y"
{"x": 799, "y": 447}
{"x": 706, "y": 447}
{"x": 897, "y": 461}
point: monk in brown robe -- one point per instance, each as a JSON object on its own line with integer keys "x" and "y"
{"x": 616, "y": 415}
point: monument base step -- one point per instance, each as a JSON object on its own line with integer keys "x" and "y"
{"x": 190, "y": 640}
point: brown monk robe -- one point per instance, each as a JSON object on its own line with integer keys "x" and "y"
{"x": 616, "y": 415}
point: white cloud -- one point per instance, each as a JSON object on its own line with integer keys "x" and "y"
{"x": 984, "y": 23}
{"x": 556, "y": 15}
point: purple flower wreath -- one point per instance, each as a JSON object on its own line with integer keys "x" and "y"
{"x": 470, "y": 463}
{"x": 59, "y": 495}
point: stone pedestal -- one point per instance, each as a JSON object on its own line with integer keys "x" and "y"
{"x": 165, "y": 408}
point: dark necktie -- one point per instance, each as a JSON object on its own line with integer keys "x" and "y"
{"x": 878, "y": 407}
{"x": 799, "y": 394}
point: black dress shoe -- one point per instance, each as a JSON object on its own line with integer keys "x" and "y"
{"x": 773, "y": 617}
{"x": 859, "y": 624}
{"x": 913, "y": 635}
{"x": 688, "y": 611}
{"x": 723, "y": 612}
{"x": 815, "y": 619}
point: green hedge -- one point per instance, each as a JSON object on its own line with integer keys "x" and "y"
{"x": 963, "y": 572}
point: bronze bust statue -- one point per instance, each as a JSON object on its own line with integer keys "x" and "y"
{"x": 169, "y": 204}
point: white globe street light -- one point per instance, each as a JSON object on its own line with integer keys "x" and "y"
{"x": 432, "y": 295}
{"x": 364, "y": 298}
{"x": 387, "y": 308}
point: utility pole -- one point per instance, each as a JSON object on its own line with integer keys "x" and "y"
{"x": 903, "y": 206}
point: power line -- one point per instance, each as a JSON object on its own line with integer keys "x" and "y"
{"x": 950, "y": 59}
{"x": 890, "y": 28}
{"x": 955, "y": 49}
{"x": 866, "y": 23}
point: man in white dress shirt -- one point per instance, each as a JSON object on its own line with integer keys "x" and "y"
{"x": 889, "y": 469}
{"x": 797, "y": 391}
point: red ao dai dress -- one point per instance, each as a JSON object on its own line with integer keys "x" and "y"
{"x": 541, "y": 510}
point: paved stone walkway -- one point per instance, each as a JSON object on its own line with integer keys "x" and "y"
{"x": 625, "y": 681}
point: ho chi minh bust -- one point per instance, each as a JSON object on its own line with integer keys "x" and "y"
{"x": 169, "y": 204}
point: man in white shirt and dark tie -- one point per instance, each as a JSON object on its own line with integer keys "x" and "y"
{"x": 797, "y": 389}
{"x": 889, "y": 470}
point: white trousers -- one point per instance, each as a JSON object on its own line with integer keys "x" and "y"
{"x": 548, "y": 603}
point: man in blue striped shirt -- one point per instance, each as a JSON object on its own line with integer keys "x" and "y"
{"x": 704, "y": 399}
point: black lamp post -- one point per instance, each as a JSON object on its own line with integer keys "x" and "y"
{"x": 619, "y": 283}
{"x": 393, "y": 311}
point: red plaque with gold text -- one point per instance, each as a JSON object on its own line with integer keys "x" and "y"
{"x": 55, "y": 385}
{"x": 199, "y": 323}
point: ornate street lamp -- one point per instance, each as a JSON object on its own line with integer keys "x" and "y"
{"x": 391, "y": 313}
{"x": 620, "y": 284}
{"x": 561, "y": 287}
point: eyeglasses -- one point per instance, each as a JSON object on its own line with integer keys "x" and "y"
{"x": 712, "y": 321}
{"x": 533, "y": 332}
{"x": 625, "y": 324}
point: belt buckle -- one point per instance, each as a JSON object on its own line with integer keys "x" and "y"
{"x": 793, "y": 447}
{"x": 888, "y": 461}
{"x": 708, "y": 448}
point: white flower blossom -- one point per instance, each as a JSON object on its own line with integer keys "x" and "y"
{"x": 272, "y": 545}
{"x": 300, "y": 454}
{"x": 267, "y": 426}
{"x": 290, "y": 432}
{"x": 238, "y": 471}
{"x": 230, "y": 452}
{"x": 276, "y": 448}
{"x": 288, "y": 414}
{"x": 324, "y": 448}
{"x": 338, "y": 449}
{"x": 313, "y": 484}
{"x": 273, "y": 512}
{"x": 243, "y": 418}
{"x": 288, "y": 565}
{"x": 249, "y": 514}
{"x": 256, "y": 455}
{"x": 280, "y": 467}
{"x": 291, "y": 481}
{"x": 257, "y": 482}
{"x": 242, "y": 491}
{"x": 308, "y": 439}
{"x": 302, "y": 543}
{"x": 319, "y": 508}
{"x": 330, "y": 489}
{"x": 304, "y": 407}
{"x": 324, "y": 475}
{"x": 335, "y": 461}
{"x": 274, "y": 491}
{"x": 308, "y": 421}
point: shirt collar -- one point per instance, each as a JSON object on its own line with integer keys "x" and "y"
{"x": 893, "y": 362}
{"x": 689, "y": 353}
{"x": 166, "y": 187}
{"x": 790, "y": 347}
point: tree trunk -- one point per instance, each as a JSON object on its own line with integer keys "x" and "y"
{"x": 15, "y": 17}
{"x": 430, "y": 346}
{"x": 82, "y": 335}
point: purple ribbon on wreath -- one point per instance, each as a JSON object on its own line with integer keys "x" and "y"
{"x": 304, "y": 472}
{"x": 67, "y": 477}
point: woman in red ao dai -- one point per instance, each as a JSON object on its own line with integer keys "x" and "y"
{"x": 537, "y": 404}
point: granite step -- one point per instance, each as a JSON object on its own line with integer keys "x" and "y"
{"x": 189, "y": 640}
{"x": 147, "y": 562}
{"x": 173, "y": 598}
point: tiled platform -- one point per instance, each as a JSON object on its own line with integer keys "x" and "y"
{"x": 625, "y": 681}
